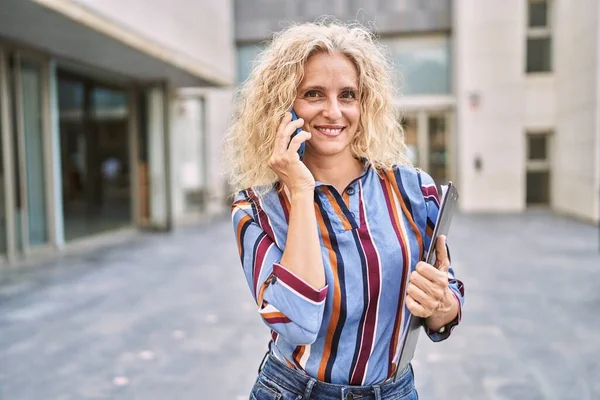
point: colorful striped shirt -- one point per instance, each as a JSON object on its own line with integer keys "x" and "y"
{"x": 372, "y": 236}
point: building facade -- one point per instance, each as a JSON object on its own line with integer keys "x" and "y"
{"x": 96, "y": 135}
{"x": 528, "y": 97}
{"x": 501, "y": 97}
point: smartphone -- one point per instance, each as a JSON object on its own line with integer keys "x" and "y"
{"x": 303, "y": 145}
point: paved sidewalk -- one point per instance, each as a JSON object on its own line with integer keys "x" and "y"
{"x": 170, "y": 317}
{"x": 531, "y": 326}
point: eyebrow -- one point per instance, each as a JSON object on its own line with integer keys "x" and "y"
{"x": 322, "y": 88}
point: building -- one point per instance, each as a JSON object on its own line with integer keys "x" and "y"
{"x": 501, "y": 97}
{"x": 97, "y": 132}
{"x": 528, "y": 97}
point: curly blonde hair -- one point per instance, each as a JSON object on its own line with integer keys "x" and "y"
{"x": 270, "y": 90}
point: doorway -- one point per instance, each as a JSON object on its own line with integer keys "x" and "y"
{"x": 95, "y": 162}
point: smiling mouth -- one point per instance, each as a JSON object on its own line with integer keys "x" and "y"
{"x": 330, "y": 131}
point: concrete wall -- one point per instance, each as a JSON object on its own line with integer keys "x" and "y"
{"x": 540, "y": 101}
{"x": 489, "y": 71}
{"x": 258, "y": 19}
{"x": 219, "y": 108}
{"x": 202, "y": 29}
{"x": 597, "y": 141}
{"x": 200, "y": 119}
{"x": 187, "y": 136}
{"x": 575, "y": 168}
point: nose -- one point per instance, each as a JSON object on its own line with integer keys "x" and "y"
{"x": 332, "y": 110}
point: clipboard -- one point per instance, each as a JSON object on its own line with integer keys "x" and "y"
{"x": 442, "y": 227}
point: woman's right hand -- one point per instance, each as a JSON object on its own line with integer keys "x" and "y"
{"x": 285, "y": 161}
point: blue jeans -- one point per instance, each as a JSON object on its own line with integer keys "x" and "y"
{"x": 279, "y": 382}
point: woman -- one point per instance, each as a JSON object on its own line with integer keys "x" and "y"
{"x": 331, "y": 244}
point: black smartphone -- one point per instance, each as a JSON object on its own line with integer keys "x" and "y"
{"x": 303, "y": 145}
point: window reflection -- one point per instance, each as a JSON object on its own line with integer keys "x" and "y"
{"x": 33, "y": 152}
{"x": 95, "y": 156}
{"x": 422, "y": 64}
{"x": 438, "y": 149}
{"x": 409, "y": 124}
{"x": 246, "y": 54}
{"x": 3, "y": 215}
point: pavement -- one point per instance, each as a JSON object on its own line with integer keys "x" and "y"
{"x": 169, "y": 316}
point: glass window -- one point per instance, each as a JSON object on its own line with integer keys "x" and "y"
{"x": 411, "y": 139}
{"x": 34, "y": 153}
{"x": 538, "y": 14}
{"x": 246, "y": 54}
{"x": 538, "y": 187}
{"x": 438, "y": 148}
{"x": 94, "y": 139}
{"x": 70, "y": 95}
{"x": 538, "y": 55}
{"x": 109, "y": 103}
{"x": 539, "y": 37}
{"x": 537, "y": 147}
{"x": 15, "y": 149}
{"x": 423, "y": 65}
{"x": 3, "y": 215}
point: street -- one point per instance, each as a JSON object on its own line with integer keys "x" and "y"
{"x": 169, "y": 316}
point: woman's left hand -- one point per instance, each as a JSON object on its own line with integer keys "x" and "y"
{"x": 428, "y": 284}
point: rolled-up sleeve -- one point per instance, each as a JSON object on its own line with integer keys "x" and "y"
{"x": 287, "y": 304}
{"x": 432, "y": 203}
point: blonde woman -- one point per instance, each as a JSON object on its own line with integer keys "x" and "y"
{"x": 331, "y": 244}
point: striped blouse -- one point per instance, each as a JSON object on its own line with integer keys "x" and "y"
{"x": 372, "y": 235}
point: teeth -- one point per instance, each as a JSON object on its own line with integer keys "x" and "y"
{"x": 330, "y": 131}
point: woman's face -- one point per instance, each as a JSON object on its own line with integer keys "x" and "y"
{"x": 328, "y": 102}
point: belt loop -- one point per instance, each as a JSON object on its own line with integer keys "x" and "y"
{"x": 309, "y": 386}
{"x": 377, "y": 390}
{"x": 263, "y": 362}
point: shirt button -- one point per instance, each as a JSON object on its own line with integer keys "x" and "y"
{"x": 350, "y": 190}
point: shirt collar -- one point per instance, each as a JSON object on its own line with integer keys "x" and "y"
{"x": 367, "y": 167}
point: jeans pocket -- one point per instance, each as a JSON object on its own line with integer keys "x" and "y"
{"x": 265, "y": 389}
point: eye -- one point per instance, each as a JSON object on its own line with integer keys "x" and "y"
{"x": 349, "y": 94}
{"x": 312, "y": 93}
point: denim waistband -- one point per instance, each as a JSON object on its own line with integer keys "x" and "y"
{"x": 299, "y": 383}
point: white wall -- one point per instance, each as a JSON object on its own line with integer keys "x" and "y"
{"x": 202, "y": 29}
{"x": 187, "y": 155}
{"x": 574, "y": 170}
{"x": 489, "y": 61}
{"x": 156, "y": 157}
{"x": 219, "y": 108}
{"x": 197, "y": 138}
{"x": 597, "y": 141}
{"x": 540, "y": 101}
